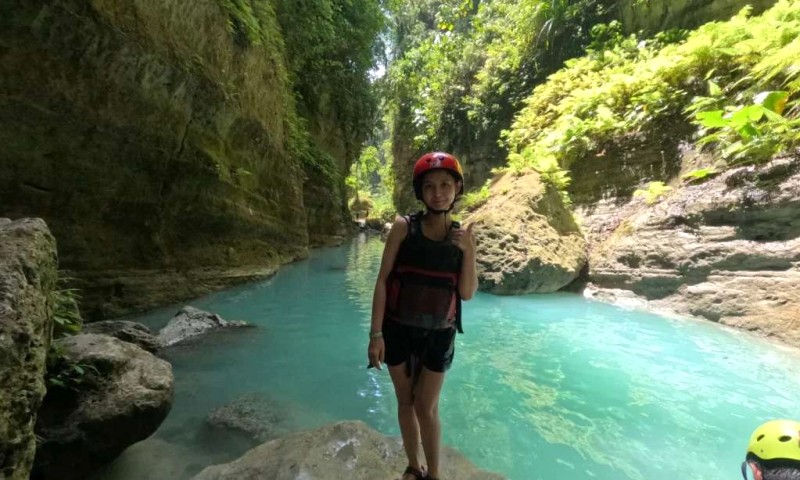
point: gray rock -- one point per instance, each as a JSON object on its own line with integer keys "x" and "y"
{"x": 164, "y": 460}
{"x": 126, "y": 331}
{"x": 350, "y": 450}
{"x": 727, "y": 250}
{"x": 252, "y": 415}
{"x": 125, "y": 394}
{"x": 190, "y": 322}
{"x": 28, "y": 271}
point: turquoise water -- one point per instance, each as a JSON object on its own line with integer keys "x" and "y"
{"x": 542, "y": 387}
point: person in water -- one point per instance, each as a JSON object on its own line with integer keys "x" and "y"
{"x": 774, "y": 451}
{"x": 428, "y": 267}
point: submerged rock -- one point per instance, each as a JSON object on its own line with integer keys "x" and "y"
{"x": 165, "y": 461}
{"x": 27, "y": 278}
{"x": 253, "y": 416}
{"x": 123, "y": 396}
{"x": 190, "y": 322}
{"x": 344, "y": 450}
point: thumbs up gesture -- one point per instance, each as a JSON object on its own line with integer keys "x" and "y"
{"x": 463, "y": 238}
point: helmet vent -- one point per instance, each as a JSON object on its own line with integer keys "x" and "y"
{"x": 760, "y": 437}
{"x": 785, "y": 438}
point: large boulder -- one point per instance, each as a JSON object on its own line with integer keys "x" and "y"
{"x": 125, "y": 330}
{"x": 122, "y": 396}
{"x": 527, "y": 239}
{"x": 342, "y": 450}
{"x": 190, "y": 322}
{"x": 28, "y": 271}
{"x": 727, "y": 250}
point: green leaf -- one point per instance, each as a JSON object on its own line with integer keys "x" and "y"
{"x": 698, "y": 174}
{"x": 709, "y": 139}
{"x": 713, "y": 89}
{"x": 774, "y": 101}
{"x": 748, "y": 131}
{"x": 743, "y": 116}
{"x": 774, "y": 117}
{"x": 711, "y": 119}
{"x": 733, "y": 149}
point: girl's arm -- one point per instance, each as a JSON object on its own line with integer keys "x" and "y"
{"x": 468, "y": 278}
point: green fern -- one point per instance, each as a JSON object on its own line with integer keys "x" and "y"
{"x": 655, "y": 191}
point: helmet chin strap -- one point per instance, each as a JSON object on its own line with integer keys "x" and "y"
{"x": 439, "y": 212}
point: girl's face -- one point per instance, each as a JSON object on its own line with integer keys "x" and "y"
{"x": 439, "y": 189}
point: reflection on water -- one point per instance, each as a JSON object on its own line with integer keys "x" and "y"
{"x": 542, "y": 387}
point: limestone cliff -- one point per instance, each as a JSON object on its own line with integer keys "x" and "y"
{"x": 27, "y": 278}
{"x": 727, "y": 250}
{"x": 156, "y": 140}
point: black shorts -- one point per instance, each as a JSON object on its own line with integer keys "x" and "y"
{"x": 435, "y": 348}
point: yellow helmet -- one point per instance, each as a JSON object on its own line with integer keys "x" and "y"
{"x": 776, "y": 439}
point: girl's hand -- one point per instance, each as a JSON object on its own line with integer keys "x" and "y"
{"x": 376, "y": 352}
{"x": 463, "y": 238}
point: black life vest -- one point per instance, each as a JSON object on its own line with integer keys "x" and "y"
{"x": 422, "y": 288}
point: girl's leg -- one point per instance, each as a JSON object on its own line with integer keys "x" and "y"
{"x": 409, "y": 428}
{"x": 426, "y": 405}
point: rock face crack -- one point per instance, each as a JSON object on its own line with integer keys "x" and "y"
{"x": 184, "y": 134}
{"x": 37, "y": 188}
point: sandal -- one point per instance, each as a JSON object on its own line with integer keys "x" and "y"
{"x": 418, "y": 474}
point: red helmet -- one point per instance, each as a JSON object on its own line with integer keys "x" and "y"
{"x": 436, "y": 161}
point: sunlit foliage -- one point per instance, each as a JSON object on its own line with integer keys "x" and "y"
{"x": 654, "y": 192}
{"x": 371, "y": 182}
{"x": 634, "y": 83}
{"x": 460, "y": 70}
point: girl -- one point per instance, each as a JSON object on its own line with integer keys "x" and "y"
{"x": 428, "y": 267}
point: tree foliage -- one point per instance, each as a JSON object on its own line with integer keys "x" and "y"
{"x": 631, "y": 84}
{"x": 328, "y": 50}
{"x": 460, "y": 69}
{"x": 552, "y": 81}
{"x": 371, "y": 181}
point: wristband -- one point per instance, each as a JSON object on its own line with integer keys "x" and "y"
{"x": 375, "y": 335}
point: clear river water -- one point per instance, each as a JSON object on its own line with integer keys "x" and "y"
{"x": 542, "y": 386}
